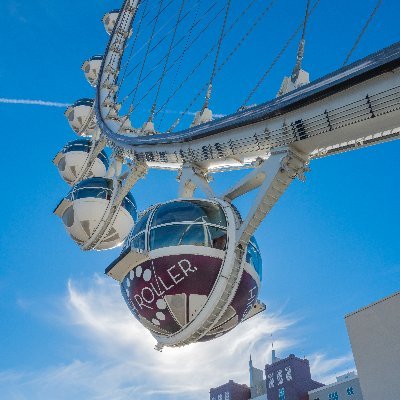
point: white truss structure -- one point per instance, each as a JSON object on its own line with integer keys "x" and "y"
{"x": 356, "y": 107}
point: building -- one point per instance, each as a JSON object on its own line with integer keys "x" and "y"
{"x": 286, "y": 379}
{"x": 289, "y": 378}
{"x": 230, "y": 391}
{"x": 258, "y": 386}
{"x": 346, "y": 387}
{"x": 374, "y": 333}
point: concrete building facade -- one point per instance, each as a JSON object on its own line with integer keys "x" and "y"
{"x": 346, "y": 387}
{"x": 374, "y": 333}
{"x": 258, "y": 387}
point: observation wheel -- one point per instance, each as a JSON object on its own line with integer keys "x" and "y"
{"x": 190, "y": 269}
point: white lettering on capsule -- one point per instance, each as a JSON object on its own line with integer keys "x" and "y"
{"x": 177, "y": 273}
{"x": 250, "y": 300}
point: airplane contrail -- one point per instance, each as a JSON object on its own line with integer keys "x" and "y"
{"x": 34, "y": 102}
{"x": 63, "y": 105}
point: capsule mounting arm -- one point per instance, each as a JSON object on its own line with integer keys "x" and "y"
{"x": 119, "y": 193}
{"x": 192, "y": 177}
{"x": 272, "y": 176}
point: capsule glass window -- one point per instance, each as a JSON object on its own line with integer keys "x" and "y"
{"x": 189, "y": 211}
{"x": 141, "y": 224}
{"x": 187, "y": 234}
{"x": 82, "y": 193}
{"x": 130, "y": 205}
{"x": 253, "y": 257}
{"x": 139, "y": 242}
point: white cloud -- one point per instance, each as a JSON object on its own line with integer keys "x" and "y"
{"x": 122, "y": 364}
{"x": 33, "y": 102}
{"x": 100, "y": 314}
{"x": 327, "y": 369}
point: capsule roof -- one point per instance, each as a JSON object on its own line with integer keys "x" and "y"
{"x": 101, "y": 188}
{"x": 83, "y": 102}
{"x": 98, "y": 57}
{"x": 85, "y": 146}
{"x": 115, "y": 11}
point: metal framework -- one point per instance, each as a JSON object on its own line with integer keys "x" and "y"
{"x": 354, "y": 107}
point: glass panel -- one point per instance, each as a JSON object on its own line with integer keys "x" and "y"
{"x": 84, "y": 102}
{"x": 253, "y": 241}
{"x": 77, "y": 145}
{"x": 140, "y": 225}
{"x": 189, "y": 211}
{"x": 139, "y": 242}
{"x": 185, "y": 234}
{"x": 98, "y": 193}
{"x": 253, "y": 257}
{"x": 217, "y": 237}
{"x": 96, "y": 183}
{"x": 214, "y": 212}
{"x": 104, "y": 158}
{"x": 177, "y": 212}
{"x": 130, "y": 205}
{"x": 175, "y": 235}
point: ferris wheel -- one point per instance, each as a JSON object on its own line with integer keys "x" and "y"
{"x": 190, "y": 269}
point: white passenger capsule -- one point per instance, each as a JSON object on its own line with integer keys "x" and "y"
{"x": 86, "y": 206}
{"x": 109, "y": 20}
{"x": 91, "y": 68}
{"x": 181, "y": 275}
{"x": 72, "y": 160}
{"x": 81, "y": 117}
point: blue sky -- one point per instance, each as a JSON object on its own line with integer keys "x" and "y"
{"x": 329, "y": 247}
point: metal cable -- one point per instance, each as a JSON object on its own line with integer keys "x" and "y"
{"x": 246, "y": 35}
{"x": 277, "y": 58}
{"x": 194, "y": 69}
{"x": 221, "y": 38}
{"x": 300, "y": 50}
{"x": 157, "y": 63}
{"x": 157, "y": 44}
{"x": 371, "y": 17}
{"x": 190, "y": 75}
{"x": 177, "y": 43}
{"x": 228, "y": 57}
{"x": 144, "y": 15}
{"x": 148, "y": 48}
{"x": 188, "y": 37}
{"x": 161, "y": 80}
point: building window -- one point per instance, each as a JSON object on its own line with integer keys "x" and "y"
{"x": 350, "y": 391}
{"x": 333, "y": 396}
{"x": 271, "y": 381}
{"x": 279, "y": 377}
{"x": 288, "y": 373}
{"x": 282, "y": 394}
{"x": 220, "y": 397}
{"x": 227, "y": 397}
